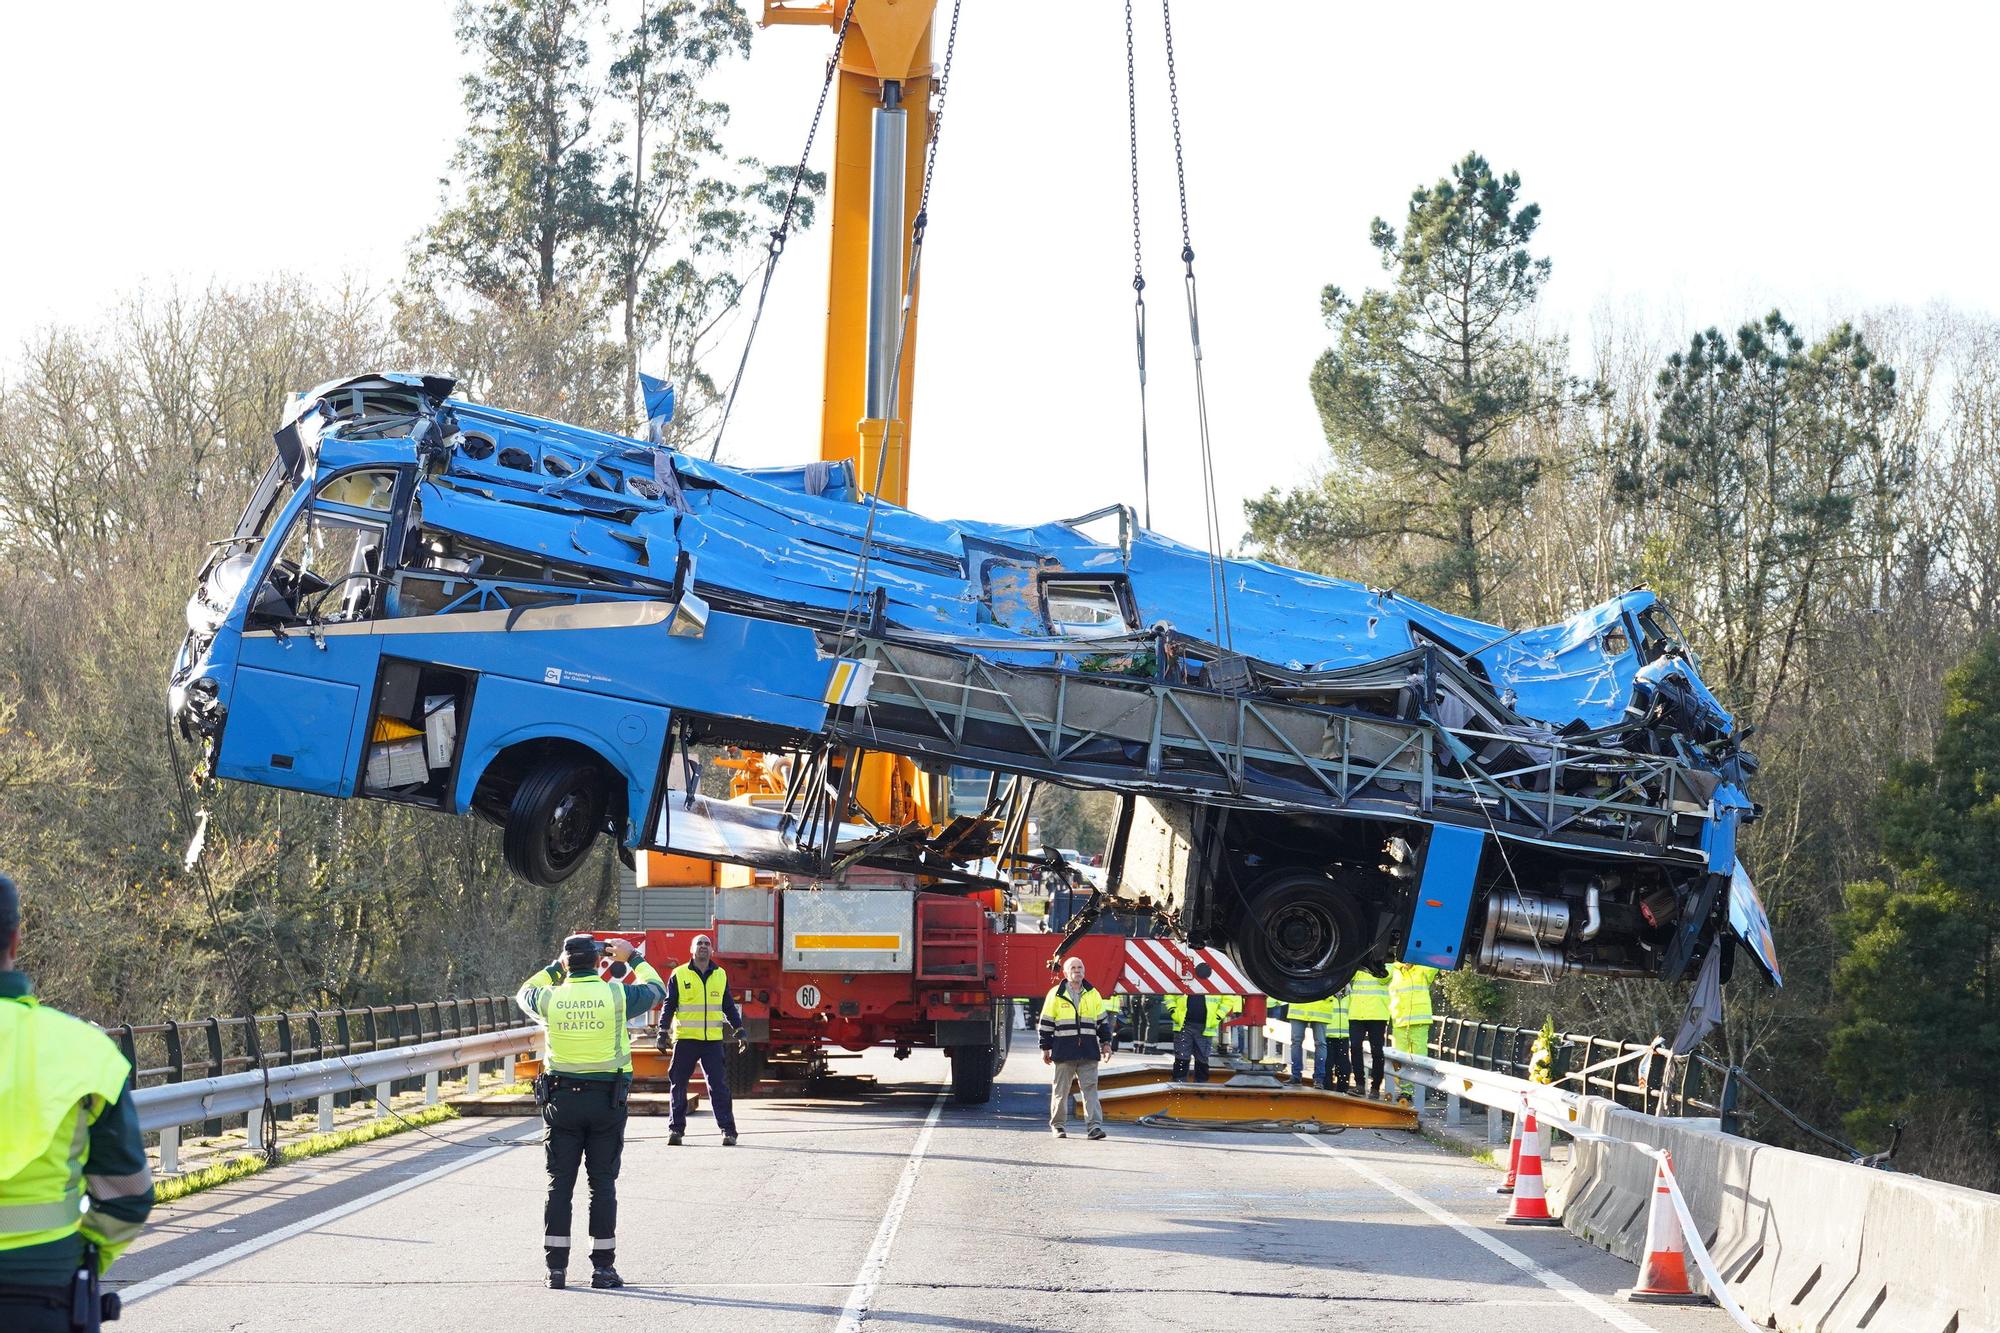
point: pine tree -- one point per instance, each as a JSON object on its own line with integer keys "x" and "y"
{"x": 1419, "y": 395}
{"x": 1920, "y": 1023}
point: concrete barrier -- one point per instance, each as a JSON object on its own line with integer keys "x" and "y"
{"x": 1929, "y": 1260}
{"x": 1804, "y": 1243}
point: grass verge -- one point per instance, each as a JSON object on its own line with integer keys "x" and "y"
{"x": 238, "y": 1165}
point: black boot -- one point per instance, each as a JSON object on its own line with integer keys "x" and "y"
{"x": 607, "y": 1276}
{"x": 557, "y": 1279}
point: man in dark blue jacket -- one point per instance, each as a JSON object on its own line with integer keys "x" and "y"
{"x": 1075, "y": 1030}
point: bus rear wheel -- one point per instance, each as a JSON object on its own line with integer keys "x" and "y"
{"x": 552, "y": 820}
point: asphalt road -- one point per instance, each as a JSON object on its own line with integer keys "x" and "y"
{"x": 895, "y": 1209}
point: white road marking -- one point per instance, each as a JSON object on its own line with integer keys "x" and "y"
{"x": 1555, "y": 1282}
{"x": 173, "y": 1277}
{"x": 870, "y": 1275}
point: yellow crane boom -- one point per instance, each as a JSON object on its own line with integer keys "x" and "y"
{"x": 882, "y": 110}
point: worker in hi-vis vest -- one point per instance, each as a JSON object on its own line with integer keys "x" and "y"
{"x": 584, "y": 1091}
{"x": 1338, "y": 1041}
{"x": 1309, "y": 1018}
{"x": 698, "y": 1007}
{"x": 68, "y": 1133}
{"x": 1410, "y": 1012}
{"x": 1367, "y": 1023}
{"x": 1076, "y": 1037}
{"x": 1195, "y": 1018}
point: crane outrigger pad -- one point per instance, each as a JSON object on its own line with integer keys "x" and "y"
{"x": 1232, "y": 1097}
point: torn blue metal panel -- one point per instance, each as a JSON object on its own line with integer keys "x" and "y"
{"x": 1751, "y": 924}
{"x": 1445, "y": 896}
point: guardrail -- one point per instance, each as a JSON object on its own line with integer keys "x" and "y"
{"x": 1636, "y": 1075}
{"x": 329, "y": 1055}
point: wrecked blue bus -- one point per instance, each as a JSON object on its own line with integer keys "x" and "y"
{"x": 475, "y": 611}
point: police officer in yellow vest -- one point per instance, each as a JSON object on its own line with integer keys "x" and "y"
{"x": 1368, "y": 1022}
{"x": 1410, "y": 1012}
{"x": 698, "y": 1006}
{"x": 583, "y": 1094}
{"x": 68, "y": 1131}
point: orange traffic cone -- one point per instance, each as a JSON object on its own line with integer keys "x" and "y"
{"x": 1530, "y": 1205}
{"x": 1663, "y": 1274}
{"x": 1513, "y": 1159}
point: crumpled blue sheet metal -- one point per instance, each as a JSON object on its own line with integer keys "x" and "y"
{"x": 750, "y": 531}
{"x": 795, "y": 536}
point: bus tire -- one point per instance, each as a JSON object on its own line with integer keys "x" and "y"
{"x": 552, "y": 821}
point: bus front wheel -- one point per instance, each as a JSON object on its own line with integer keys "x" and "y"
{"x": 554, "y": 817}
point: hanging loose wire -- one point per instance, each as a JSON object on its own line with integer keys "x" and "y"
{"x": 1218, "y": 580}
{"x": 851, "y": 618}
{"x": 780, "y": 232}
{"x": 1138, "y": 268}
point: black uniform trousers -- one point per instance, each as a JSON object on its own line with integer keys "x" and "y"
{"x": 1367, "y": 1034}
{"x": 35, "y": 1310}
{"x": 1339, "y": 1052}
{"x": 586, "y": 1127}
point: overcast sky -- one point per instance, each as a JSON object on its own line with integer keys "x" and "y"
{"x": 1695, "y": 163}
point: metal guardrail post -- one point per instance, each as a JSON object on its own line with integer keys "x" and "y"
{"x": 253, "y": 1124}
{"x": 122, "y": 1034}
{"x": 431, "y": 1088}
{"x": 170, "y": 1150}
{"x": 1496, "y": 1126}
{"x": 344, "y": 1034}
{"x": 176, "y": 1062}
{"x": 213, "y": 1027}
{"x": 1725, "y": 1103}
{"x": 285, "y": 1056}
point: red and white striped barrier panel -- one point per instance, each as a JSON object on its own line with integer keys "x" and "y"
{"x": 1164, "y": 967}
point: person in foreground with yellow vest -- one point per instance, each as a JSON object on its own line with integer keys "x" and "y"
{"x": 584, "y": 1091}
{"x": 1367, "y": 1023}
{"x": 1076, "y": 1037}
{"x": 698, "y": 1004}
{"x": 1410, "y": 1012}
{"x": 68, "y": 1130}
{"x": 1196, "y": 1018}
